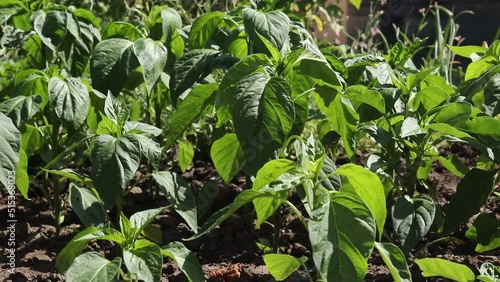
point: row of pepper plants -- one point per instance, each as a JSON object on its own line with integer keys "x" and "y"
{"x": 125, "y": 93}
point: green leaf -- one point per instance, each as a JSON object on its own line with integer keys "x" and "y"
{"x": 111, "y": 64}
{"x": 110, "y": 234}
{"x": 150, "y": 149}
{"x": 491, "y": 105}
{"x": 33, "y": 138}
{"x": 68, "y": 173}
{"x": 70, "y": 99}
{"x": 263, "y": 102}
{"x": 153, "y": 233}
{"x": 369, "y": 104}
{"x": 192, "y": 67}
{"x": 185, "y": 155}
{"x": 342, "y": 234}
{"x": 144, "y": 260}
{"x": 366, "y": 185}
{"x": 152, "y": 56}
{"x": 185, "y": 260}
{"x": 180, "y": 196}
{"x": 86, "y": 205}
{"x": 273, "y": 25}
{"x": 400, "y": 54}
{"x": 478, "y": 68}
{"x": 92, "y": 267}
{"x": 72, "y": 249}
{"x": 466, "y": 51}
{"x": 51, "y": 26}
{"x": 412, "y": 219}
{"x": 218, "y": 217}
{"x": 32, "y": 83}
{"x": 395, "y": 261}
{"x": 140, "y": 220}
{"x": 281, "y": 266}
{"x": 432, "y": 267}
{"x": 411, "y": 127}
{"x": 204, "y": 28}
{"x": 472, "y": 193}
{"x": 485, "y": 231}
{"x": 356, "y": 3}
{"x": 454, "y": 165}
{"x": 115, "y": 161}
{"x": 10, "y": 143}
{"x": 429, "y": 98}
{"x": 340, "y": 113}
{"x": 21, "y": 108}
{"x": 227, "y": 156}
{"x": 122, "y": 30}
{"x": 22, "y": 177}
{"x": 189, "y": 110}
{"x": 271, "y": 171}
{"x": 140, "y": 127}
{"x": 171, "y": 21}
{"x": 229, "y": 83}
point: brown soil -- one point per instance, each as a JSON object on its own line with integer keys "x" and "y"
{"x": 229, "y": 248}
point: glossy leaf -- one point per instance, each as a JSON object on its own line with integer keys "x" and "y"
{"x": 152, "y": 56}
{"x": 342, "y": 234}
{"x": 115, "y": 161}
{"x": 281, "y": 266}
{"x": 189, "y": 110}
{"x": 21, "y": 108}
{"x": 432, "y": 267}
{"x": 70, "y": 99}
{"x": 145, "y": 260}
{"x": 185, "y": 260}
{"x": 86, "y": 205}
{"x": 139, "y": 220}
{"x": 204, "y": 28}
{"x": 369, "y": 104}
{"x": 10, "y": 143}
{"x": 472, "y": 193}
{"x": 273, "y": 26}
{"x": 73, "y": 249}
{"x": 412, "y": 219}
{"x": 366, "y": 185}
{"x": 92, "y": 267}
{"x": 395, "y": 261}
{"x": 227, "y": 156}
{"x": 180, "y": 196}
{"x": 185, "y": 155}
{"x": 112, "y": 63}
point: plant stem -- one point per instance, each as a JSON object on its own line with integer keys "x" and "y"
{"x": 308, "y": 273}
{"x": 55, "y": 178}
{"x": 277, "y": 230}
{"x": 298, "y": 213}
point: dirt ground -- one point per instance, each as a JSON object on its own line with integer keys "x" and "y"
{"x": 228, "y": 253}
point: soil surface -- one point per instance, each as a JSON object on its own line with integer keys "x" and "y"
{"x": 228, "y": 253}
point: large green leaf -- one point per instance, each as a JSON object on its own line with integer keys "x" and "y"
{"x": 491, "y": 104}
{"x": 86, "y": 205}
{"x": 227, "y": 156}
{"x": 10, "y": 143}
{"x": 152, "y": 56}
{"x": 180, "y": 196}
{"x": 472, "y": 193}
{"x": 51, "y": 26}
{"x": 204, "y": 28}
{"x": 73, "y": 249}
{"x": 340, "y": 113}
{"x": 70, "y": 99}
{"x": 342, "y": 234}
{"x": 123, "y": 30}
{"x": 412, "y": 219}
{"x": 22, "y": 177}
{"x": 185, "y": 260}
{"x": 107, "y": 233}
{"x": 92, "y": 267}
{"x": 145, "y": 260}
{"x": 114, "y": 163}
{"x": 262, "y": 102}
{"x": 140, "y": 220}
{"x": 428, "y": 98}
{"x": 281, "y": 266}
{"x": 192, "y": 67}
{"x": 185, "y": 155}
{"x": 227, "y": 87}
{"x": 112, "y": 62}
{"x": 189, "y": 110}
{"x": 395, "y": 261}
{"x": 273, "y": 26}
{"x": 432, "y": 267}
{"x": 485, "y": 231}
{"x": 21, "y": 108}
{"x": 369, "y": 104}
{"x": 150, "y": 149}
{"x": 467, "y": 51}
{"x": 366, "y": 185}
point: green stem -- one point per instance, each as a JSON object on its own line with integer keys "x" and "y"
{"x": 308, "y": 273}
{"x": 55, "y": 178}
{"x": 277, "y": 230}
{"x": 298, "y": 213}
